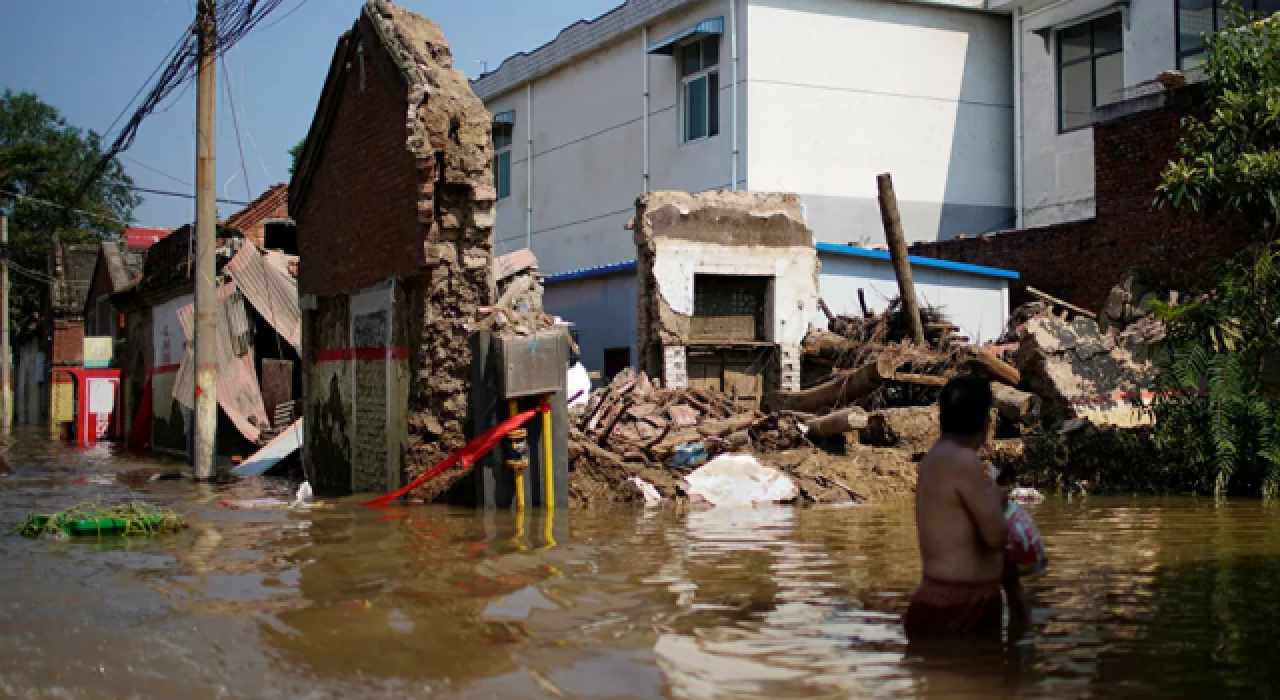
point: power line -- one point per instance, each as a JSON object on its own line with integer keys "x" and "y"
{"x": 248, "y": 131}
{"x": 168, "y": 58}
{"x": 37, "y": 276}
{"x": 47, "y": 203}
{"x": 184, "y": 195}
{"x": 232, "y": 21}
{"x": 286, "y": 15}
{"x": 235, "y": 122}
{"x": 140, "y": 164}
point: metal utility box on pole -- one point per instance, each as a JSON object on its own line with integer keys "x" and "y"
{"x": 6, "y": 352}
{"x": 206, "y": 326}
{"x": 898, "y": 252}
{"x": 517, "y": 373}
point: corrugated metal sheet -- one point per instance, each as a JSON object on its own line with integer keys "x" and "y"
{"x": 239, "y": 395}
{"x": 266, "y": 283}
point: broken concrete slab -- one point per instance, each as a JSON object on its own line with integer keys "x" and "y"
{"x": 1078, "y": 371}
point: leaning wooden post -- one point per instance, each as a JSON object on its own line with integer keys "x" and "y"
{"x": 898, "y": 252}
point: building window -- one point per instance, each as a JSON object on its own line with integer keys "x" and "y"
{"x": 699, "y": 88}
{"x": 1198, "y": 18}
{"x": 616, "y": 360}
{"x": 1090, "y": 70}
{"x": 502, "y": 132}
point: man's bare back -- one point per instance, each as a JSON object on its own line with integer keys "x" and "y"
{"x": 960, "y": 524}
{"x": 958, "y": 517}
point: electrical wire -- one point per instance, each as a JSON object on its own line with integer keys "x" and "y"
{"x": 232, "y": 21}
{"x": 47, "y": 203}
{"x": 235, "y": 122}
{"x": 168, "y": 58}
{"x": 286, "y": 15}
{"x": 248, "y": 132}
{"x": 184, "y": 195}
{"x": 37, "y": 276}
{"x": 161, "y": 173}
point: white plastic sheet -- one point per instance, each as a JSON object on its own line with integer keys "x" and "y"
{"x": 740, "y": 481}
{"x": 579, "y": 385}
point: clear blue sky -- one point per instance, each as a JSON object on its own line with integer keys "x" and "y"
{"x": 88, "y": 58}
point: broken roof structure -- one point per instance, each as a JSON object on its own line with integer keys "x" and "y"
{"x": 269, "y": 207}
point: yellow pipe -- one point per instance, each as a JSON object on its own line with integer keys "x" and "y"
{"x": 548, "y": 472}
{"x": 548, "y": 480}
{"x": 515, "y": 408}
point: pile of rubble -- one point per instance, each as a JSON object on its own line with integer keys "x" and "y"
{"x": 867, "y": 364}
{"x": 867, "y": 412}
{"x": 632, "y": 427}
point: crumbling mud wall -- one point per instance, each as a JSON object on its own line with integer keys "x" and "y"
{"x": 393, "y": 193}
{"x": 449, "y": 136}
{"x": 679, "y": 236}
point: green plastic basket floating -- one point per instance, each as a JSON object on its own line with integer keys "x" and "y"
{"x": 93, "y": 519}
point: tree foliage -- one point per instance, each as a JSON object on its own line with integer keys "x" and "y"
{"x": 44, "y": 160}
{"x": 1231, "y": 156}
{"x": 1213, "y": 417}
{"x": 294, "y": 154}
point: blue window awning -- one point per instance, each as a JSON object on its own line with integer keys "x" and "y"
{"x": 508, "y": 117}
{"x": 707, "y": 27}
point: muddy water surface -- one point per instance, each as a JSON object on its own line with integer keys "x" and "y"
{"x": 1145, "y": 597}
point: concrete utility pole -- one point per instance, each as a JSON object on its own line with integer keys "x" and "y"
{"x": 206, "y": 398}
{"x": 898, "y": 252}
{"x": 6, "y": 353}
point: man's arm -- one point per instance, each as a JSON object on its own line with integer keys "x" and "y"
{"x": 982, "y": 501}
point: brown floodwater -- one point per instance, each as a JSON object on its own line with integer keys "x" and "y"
{"x": 1145, "y": 597}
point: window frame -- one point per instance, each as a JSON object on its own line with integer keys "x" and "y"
{"x": 1180, "y": 54}
{"x": 704, "y": 71}
{"x": 499, "y": 152}
{"x": 1091, "y": 59}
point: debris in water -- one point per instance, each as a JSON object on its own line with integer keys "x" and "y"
{"x": 740, "y": 480}
{"x": 651, "y": 495}
{"x": 1026, "y": 495}
{"x": 93, "y": 518}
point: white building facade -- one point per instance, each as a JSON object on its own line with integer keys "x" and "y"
{"x": 1072, "y": 56}
{"x": 813, "y": 97}
{"x": 982, "y": 110}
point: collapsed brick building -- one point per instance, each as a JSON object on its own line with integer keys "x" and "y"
{"x": 726, "y": 282}
{"x": 1133, "y": 141}
{"x": 393, "y": 198}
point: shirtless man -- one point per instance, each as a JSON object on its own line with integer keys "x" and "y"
{"x": 961, "y": 527}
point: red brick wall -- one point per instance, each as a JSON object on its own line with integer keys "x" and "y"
{"x": 359, "y": 221}
{"x": 1081, "y": 261}
{"x": 68, "y": 343}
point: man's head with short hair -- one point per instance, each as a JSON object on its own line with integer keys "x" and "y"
{"x": 964, "y": 407}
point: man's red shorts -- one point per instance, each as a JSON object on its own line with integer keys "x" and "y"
{"x": 946, "y": 609}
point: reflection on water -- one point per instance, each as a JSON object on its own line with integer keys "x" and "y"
{"x": 1145, "y": 597}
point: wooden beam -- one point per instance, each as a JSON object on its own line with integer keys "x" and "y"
{"x": 892, "y": 220}
{"x": 1058, "y": 302}
{"x": 920, "y": 379}
{"x": 839, "y": 422}
{"x": 997, "y": 368}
